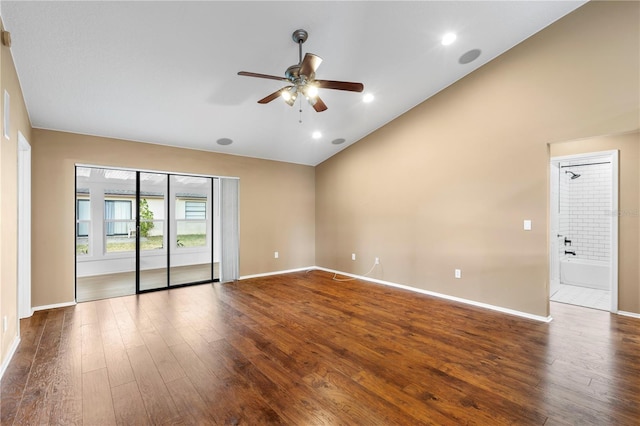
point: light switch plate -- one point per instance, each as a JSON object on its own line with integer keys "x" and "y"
{"x": 527, "y": 225}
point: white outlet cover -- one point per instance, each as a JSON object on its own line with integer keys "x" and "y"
{"x": 527, "y": 225}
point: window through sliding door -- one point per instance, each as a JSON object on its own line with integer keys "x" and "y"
{"x": 191, "y": 244}
{"x": 144, "y": 231}
{"x": 105, "y": 233}
{"x": 152, "y": 231}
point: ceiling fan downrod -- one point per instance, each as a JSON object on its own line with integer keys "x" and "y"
{"x": 299, "y": 36}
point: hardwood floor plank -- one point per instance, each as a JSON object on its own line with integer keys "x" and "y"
{"x": 212, "y": 389}
{"x": 67, "y": 384}
{"x": 155, "y": 395}
{"x": 17, "y": 373}
{"x": 192, "y": 408}
{"x": 37, "y": 399}
{"x": 118, "y": 367}
{"x": 128, "y": 405}
{"x": 279, "y": 394}
{"x": 96, "y": 399}
{"x": 228, "y": 363}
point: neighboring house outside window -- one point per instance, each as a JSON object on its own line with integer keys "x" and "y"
{"x": 195, "y": 210}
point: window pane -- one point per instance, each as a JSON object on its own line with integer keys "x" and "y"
{"x": 83, "y": 223}
{"x": 117, "y": 215}
{"x": 125, "y": 241}
{"x": 82, "y": 239}
{"x": 151, "y": 235}
{"x": 191, "y": 233}
{"x": 195, "y": 210}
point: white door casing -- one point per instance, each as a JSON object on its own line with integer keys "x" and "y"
{"x": 24, "y": 227}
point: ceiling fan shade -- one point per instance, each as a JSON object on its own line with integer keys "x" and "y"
{"x": 309, "y": 65}
{"x": 301, "y": 76}
{"x": 289, "y": 95}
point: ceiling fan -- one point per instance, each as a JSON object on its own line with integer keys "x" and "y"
{"x": 302, "y": 79}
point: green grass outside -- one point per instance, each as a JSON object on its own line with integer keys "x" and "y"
{"x": 149, "y": 243}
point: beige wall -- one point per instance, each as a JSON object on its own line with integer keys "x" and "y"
{"x": 277, "y": 204}
{"x": 19, "y": 121}
{"x": 628, "y": 146}
{"x": 448, "y": 184}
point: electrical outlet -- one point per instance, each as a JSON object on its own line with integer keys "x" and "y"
{"x": 276, "y": 255}
{"x": 353, "y": 256}
{"x": 5, "y": 324}
{"x": 377, "y": 261}
{"x": 458, "y": 273}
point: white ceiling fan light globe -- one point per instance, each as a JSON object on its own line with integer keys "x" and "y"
{"x": 289, "y": 95}
{"x": 312, "y": 91}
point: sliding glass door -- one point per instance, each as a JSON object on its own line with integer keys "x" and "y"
{"x": 105, "y": 233}
{"x": 152, "y": 231}
{"x": 144, "y": 231}
{"x": 192, "y": 242}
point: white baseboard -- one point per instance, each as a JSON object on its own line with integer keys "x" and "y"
{"x": 55, "y": 305}
{"x": 266, "y": 274}
{"x": 629, "y": 314}
{"x": 444, "y": 296}
{"x": 10, "y": 354}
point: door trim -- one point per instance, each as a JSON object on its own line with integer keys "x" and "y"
{"x": 24, "y": 227}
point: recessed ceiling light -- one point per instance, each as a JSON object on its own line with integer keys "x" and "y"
{"x": 368, "y": 97}
{"x": 338, "y": 141}
{"x": 448, "y": 38}
{"x": 316, "y": 135}
{"x": 224, "y": 141}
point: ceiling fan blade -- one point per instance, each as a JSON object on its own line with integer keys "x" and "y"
{"x": 318, "y": 105}
{"x": 340, "y": 85}
{"x": 310, "y": 64}
{"x": 272, "y": 96}
{"x": 254, "y": 74}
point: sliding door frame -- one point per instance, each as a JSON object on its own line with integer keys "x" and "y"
{"x": 168, "y": 215}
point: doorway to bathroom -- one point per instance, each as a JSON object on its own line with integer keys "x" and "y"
{"x": 584, "y": 230}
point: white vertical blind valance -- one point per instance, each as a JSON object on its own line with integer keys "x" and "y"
{"x": 230, "y": 229}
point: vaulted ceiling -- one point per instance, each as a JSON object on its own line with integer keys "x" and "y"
{"x": 166, "y": 72}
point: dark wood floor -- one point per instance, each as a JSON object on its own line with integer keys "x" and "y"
{"x": 302, "y": 349}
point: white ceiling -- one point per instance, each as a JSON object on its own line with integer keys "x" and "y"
{"x": 166, "y": 72}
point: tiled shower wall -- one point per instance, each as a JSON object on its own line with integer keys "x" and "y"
{"x": 585, "y": 210}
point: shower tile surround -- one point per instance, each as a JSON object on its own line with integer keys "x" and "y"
{"x": 585, "y": 210}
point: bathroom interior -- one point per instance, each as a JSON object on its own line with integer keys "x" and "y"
{"x": 584, "y": 226}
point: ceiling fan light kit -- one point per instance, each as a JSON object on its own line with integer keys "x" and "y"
{"x": 302, "y": 79}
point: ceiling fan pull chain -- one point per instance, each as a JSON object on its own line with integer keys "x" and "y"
{"x": 300, "y": 121}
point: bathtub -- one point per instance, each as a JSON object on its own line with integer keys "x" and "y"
{"x": 585, "y": 273}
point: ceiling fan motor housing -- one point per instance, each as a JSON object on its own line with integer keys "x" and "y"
{"x": 292, "y": 73}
